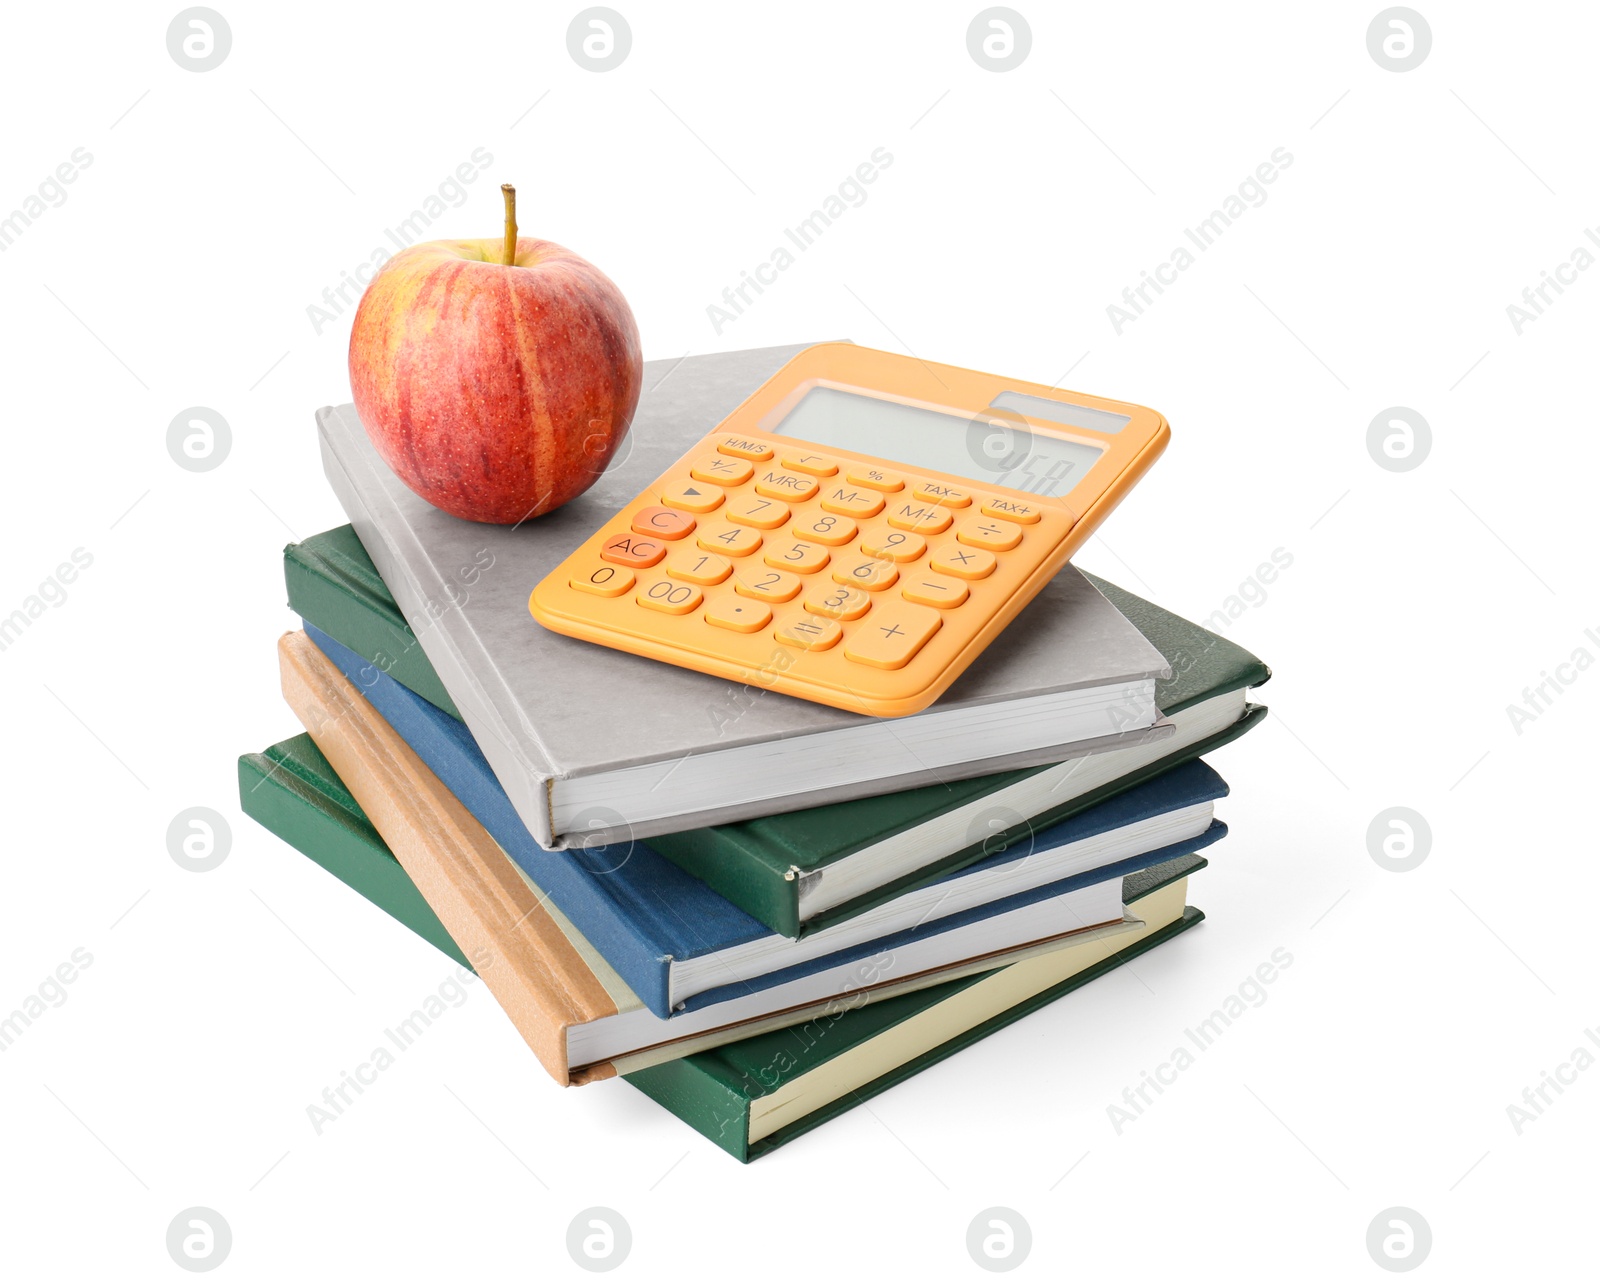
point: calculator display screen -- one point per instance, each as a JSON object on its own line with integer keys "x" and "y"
{"x": 979, "y": 446}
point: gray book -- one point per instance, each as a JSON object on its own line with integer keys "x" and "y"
{"x": 596, "y": 745}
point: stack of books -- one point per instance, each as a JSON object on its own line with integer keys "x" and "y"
{"x": 757, "y": 910}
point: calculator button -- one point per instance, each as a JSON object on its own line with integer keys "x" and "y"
{"x": 989, "y": 534}
{"x": 796, "y": 557}
{"x": 920, "y": 517}
{"x": 670, "y": 597}
{"x": 767, "y": 584}
{"x": 833, "y": 530}
{"x": 602, "y": 579}
{"x": 851, "y": 502}
{"x": 869, "y": 573}
{"x": 751, "y": 450}
{"x": 891, "y": 544}
{"x": 786, "y": 485}
{"x": 715, "y": 469}
{"x": 659, "y": 522}
{"x": 806, "y": 632}
{"x": 875, "y": 479}
{"x": 757, "y": 513}
{"x": 893, "y": 636}
{"x": 942, "y": 494}
{"x": 813, "y": 464}
{"x": 687, "y": 496}
{"x": 633, "y": 552}
{"x": 1010, "y": 509}
{"x": 844, "y": 603}
{"x": 963, "y": 562}
{"x": 737, "y": 615}
{"x": 939, "y": 592}
{"x": 698, "y": 567}
{"x": 727, "y": 539}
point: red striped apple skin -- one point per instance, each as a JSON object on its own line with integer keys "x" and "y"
{"x": 496, "y": 393}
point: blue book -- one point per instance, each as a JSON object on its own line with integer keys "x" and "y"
{"x": 681, "y": 946}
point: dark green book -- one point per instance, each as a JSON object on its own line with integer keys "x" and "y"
{"x": 754, "y": 1095}
{"x": 293, "y": 791}
{"x": 811, "y": 868}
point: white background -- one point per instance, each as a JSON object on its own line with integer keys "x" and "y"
{"x": 217, "y": 208}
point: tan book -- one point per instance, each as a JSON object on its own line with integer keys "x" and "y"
{"x": 575, "y": 1013}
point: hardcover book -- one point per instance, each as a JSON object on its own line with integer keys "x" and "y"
{"x": 553, "y": 715}
{"x": 681, "y": 946}
{"x": 572, "y": 1008}
{"x": 752, "y": 1095}
{"x": 807, "y": 869}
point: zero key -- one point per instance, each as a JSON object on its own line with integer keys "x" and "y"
{"x": 892, "y": 636}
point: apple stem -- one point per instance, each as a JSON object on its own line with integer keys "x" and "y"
{"x": 510, "y": 193}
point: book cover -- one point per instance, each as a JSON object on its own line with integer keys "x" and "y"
{"x": 293, "y": 791}
{"x": 547, "y": 708}
{"x": 643, "y": 914}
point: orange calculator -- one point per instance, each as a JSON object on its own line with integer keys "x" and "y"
{"x": 857, "y": 530}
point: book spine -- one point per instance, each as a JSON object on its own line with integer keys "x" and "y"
{"x": 338, "y": 602}
{"x": 513, "y": 942}
{"x": 299, "y": 813}
{"x": 447, "y": 748}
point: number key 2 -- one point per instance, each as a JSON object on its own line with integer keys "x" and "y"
{"x": 767, "y": 584}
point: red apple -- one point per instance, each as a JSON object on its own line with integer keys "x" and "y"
{"x": 497, "y": 392}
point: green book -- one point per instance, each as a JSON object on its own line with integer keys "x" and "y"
{"x": 812, "y": 868}
{"x": 754, "y": 1095}
{"x": 293, "y": 791}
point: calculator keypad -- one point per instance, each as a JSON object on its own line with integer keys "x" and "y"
{"x": 844, "y": 565}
